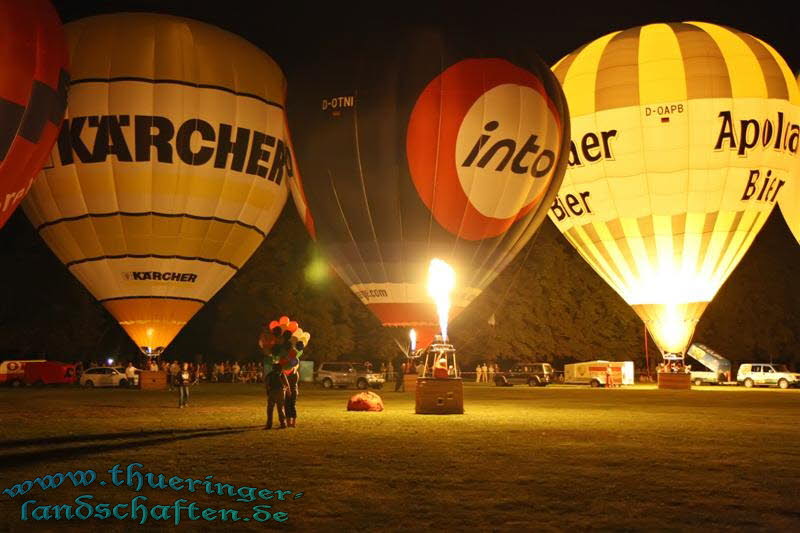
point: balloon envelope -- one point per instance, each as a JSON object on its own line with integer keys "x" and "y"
{"x": 33, "y": 94}
{"x": 169, "y": 170}
{"x": 422, "y": 144}
{"x": 683, "y": 135}
{"x": 790, "y": 200}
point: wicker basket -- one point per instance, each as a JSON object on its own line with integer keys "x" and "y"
{"x": 410, "y": 382}
{"x": 440, "y": 396}
{"x": 674, "y": 380}
{"x": 152, "y": 380}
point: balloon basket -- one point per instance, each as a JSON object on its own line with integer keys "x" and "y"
{"x": 152, "y": 380}
{"x": 674, "y": 380}
{"x": 440, "y": 396}
{"x": 410, "y": 382}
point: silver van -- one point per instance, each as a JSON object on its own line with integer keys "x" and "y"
{"x": 767, "y": 375}
{"x": 343, "y": 374}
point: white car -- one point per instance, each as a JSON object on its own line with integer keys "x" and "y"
{"x": 104, "y": 376}
{"x": 755, "y": 374}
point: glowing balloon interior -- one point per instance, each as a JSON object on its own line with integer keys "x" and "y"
{"x": 169, "y": 170}
{"x": 683, "y": 137}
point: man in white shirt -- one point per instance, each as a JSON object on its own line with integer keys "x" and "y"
{"x": 130, "y": 374}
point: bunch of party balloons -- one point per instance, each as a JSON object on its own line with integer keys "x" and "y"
{"x": 283, "y": 342}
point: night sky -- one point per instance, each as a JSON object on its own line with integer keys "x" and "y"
{"x": 294, "y": 33}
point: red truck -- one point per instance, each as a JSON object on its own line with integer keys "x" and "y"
{"x": 49, "y": 373}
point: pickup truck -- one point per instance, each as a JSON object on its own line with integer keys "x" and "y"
{"x": 702, "y": 377}
{"x": 718, "y": 368}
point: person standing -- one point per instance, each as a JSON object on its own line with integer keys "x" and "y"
{"x": 153, "y": 366}
{"x": 277, "y": 384}
{"x": 609, "y": 377}
{"x": 174, "y": 370}
{"x": 399, "y": 370}
{"x": 490, "y": 376}
{"x": 484, "y": 373}
{"x": 293, "y": 378}
{"x": 182, "y": 380}
{"x": 478, "y": 372}
{"x": 130, "y": 374}
{"x": 235, "y": 370}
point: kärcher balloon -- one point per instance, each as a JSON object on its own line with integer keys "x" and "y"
{"x": 170, "y": 168}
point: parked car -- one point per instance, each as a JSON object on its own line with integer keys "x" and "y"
{"x": 103, "y": 376}
{"x": 531, "y": 374}
{"x": 344, "y": 374}
{"x": 767, "y": 374}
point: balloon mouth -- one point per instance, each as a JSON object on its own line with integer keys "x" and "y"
{"x": 671, "y": 325}
{"x": 150, "y": 351}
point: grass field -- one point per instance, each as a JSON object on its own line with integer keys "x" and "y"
{"x": 520, "y": 458}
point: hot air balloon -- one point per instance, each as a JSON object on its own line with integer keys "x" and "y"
{"x": 33, "y": 94}
{"x": 789, "y": 200}
{"x": 419, "y": 144}
{"x": 683, "y": 136}
{"x": 169, "y": 170}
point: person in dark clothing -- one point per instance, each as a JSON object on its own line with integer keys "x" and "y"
{"x": 293, "y": 379}
{"x": 399, "y": 371}
{"x": 277, "y": 385}
{"x": 182, "y": 380}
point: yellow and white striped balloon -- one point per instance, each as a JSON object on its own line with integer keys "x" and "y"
{"x": 169, "y": 170}
{"x": 683, "y": 137}
{"x": 790, "y": 200}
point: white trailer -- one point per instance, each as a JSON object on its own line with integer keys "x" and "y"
{"x": 593, "y": 373}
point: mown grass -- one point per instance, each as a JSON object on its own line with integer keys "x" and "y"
{"x": 520, "y": 458}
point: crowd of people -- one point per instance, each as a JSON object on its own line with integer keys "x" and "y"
{"x": 485, "y": 373}
{"x": 673, "y": 367}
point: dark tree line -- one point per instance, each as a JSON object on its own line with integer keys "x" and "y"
{"x": 548, "y": 305}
